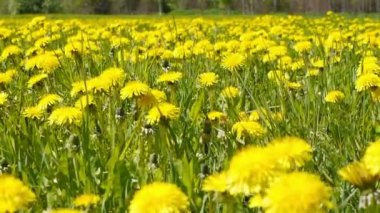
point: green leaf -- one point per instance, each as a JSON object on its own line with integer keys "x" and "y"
{"x": 197, "y": 106}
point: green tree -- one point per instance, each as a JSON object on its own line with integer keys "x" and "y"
{"x": 51, "y": 6}
{"x": 226, "y": 4}
{"x": 30, "y": 6}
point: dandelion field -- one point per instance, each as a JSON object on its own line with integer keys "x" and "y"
{"x": 239, "y": 114}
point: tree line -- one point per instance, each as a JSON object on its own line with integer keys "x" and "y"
{"x": 166, "y": 6}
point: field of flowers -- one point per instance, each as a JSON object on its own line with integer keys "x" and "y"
{"x": 238, "y": 114}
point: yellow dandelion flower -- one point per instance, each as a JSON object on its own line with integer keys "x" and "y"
{"x": 215, "y": 183}
{"x": 159, "y": 197}
{"x": 297, "y": 65}
{"x": 371, "y": 158}
{"x": 368, "y": 68}
{"x": 5, "y": 33}
{"x": 277, "y": 51}
{"x": 291, "y": 152}
{"x": 3, "y": 98}
{"x": 266, "y": 115}
{"x": 32, "y": 51}
{"x": 357, "y": 174}
{"x": 49, "y": 100}
{"x": 302, "y": 46}
{"x": 151, "y": 99}
{"x": 216, "y": 115}
{"x": 208, "y": 79}
{"x": 368, "y": 65}
{"x": 285, "y": 62}
{"x": 34, "y": 112}
{"x": 375, "y": 94}
{"x": 318, "y": 63}
{"x": 42, "y": 42}
{"x": 7, "y": 76}
{"x": 250, "y": 128}
{"x": 233, "y": 62}
{"x": 76, "y": 48}
{"x": 367, "y": 81}
{"x": 159, "y": 95}
{"x": 162, "y": 110}
{"x": 250, "y": 171}
{"x": 14, "y": 194}
{"x": 312, "y": 72}
{"x": 84, "y": 101}
{"x": 77, "y": 87}
{"x": 65, "y": 115}
{"x": 86, "y": 86}
{"x": 293, "y": 85}
{"x": 255, "y": 114}
{"x": 170, "y": 77}
{"x": 113, "y": 75}
{"x": 11, "y": 50}
{"x": 98, "y": 84}
{"x": 134, "y": 89}
{"x": 230, "y": 92}
{"x": 296, "y": 192}
{"x": 32, "y": 62}
{"x": 244, "y": 116}
{"x": 86, "y": 200}
{"x": 334, "y": 96}
{"x": 35, "y": 79}
{"x": 48, "y": 63}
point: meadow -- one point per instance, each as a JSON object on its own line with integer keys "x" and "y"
{"x": 270, "y": 113}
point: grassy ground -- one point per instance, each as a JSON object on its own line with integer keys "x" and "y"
{"x": 112, "y": 149}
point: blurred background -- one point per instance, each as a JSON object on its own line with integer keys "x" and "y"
{"x": 186, "y": 6}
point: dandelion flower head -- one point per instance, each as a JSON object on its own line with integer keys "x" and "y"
{"x": 86, "y": 200}
{"x": 233, "y": 62}
{"x": 14, "y": 194}
{"x": 296, "y": 192}
{"x": 162, "y": 110}
{"x": 65, "y": 115}
{"x": 159, "y": 197}
{"x": 208, "y": 79}
{"x": 134, "y": 89}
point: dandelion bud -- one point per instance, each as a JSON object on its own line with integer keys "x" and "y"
{"x": 98, "y": 130}
{"x": 73, "y": 142}
{"x": 112, "y": 52}
{"x": 153, "y": 160}
{"x": 166, "y": 65}
{"x": 119, "y": 113}
{"x": 205, "y": 171}
{"x": 148, "y": 129}
{"x": 4, "y": 166}
{"x": 246, "y": 201}
{"x": 207, "y": 127}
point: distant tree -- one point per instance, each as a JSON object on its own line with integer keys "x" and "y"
{"x": 163, "y": 6}
{"x": 30, "y": 6}
{"x": 123, "y": 6}
{"x": 51, "y": 6}
{"x": 8, "y": 6}
{"x": 226, "y": 4}
{"x": 102, "y": 6}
